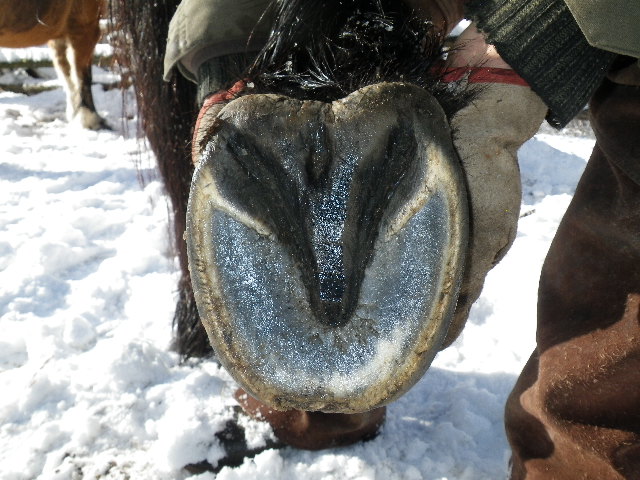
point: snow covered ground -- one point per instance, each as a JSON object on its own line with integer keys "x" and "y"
{"x": 89, "y": 387}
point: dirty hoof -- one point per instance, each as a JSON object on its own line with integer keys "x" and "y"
{"x": 326, "y": 243}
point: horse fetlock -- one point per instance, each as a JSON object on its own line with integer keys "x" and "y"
{"x": 89, "y": 119}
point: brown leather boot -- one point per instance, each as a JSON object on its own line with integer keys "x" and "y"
{"x": 314, "y": 430}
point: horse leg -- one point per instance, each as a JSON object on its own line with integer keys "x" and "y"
{"x": 73, "y": 56}
{"x": 63, "y": 68}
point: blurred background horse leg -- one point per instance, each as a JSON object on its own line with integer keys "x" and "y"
{"x": 73, "y": 54}
{"x": 72, "y": 29}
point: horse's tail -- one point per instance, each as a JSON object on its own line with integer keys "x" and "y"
{"x": 167, "y": 111}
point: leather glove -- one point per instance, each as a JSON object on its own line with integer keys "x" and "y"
{"x": 503, "y": 115}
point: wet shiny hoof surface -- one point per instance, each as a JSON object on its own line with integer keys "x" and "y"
{"x": 326, "y": 243}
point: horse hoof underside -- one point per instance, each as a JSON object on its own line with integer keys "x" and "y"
{"x": 326, "y": 244}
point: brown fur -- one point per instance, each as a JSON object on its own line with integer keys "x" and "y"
{"x": 71, "y": 27}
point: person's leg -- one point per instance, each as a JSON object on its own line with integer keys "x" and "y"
{"x": 575, "y": 410}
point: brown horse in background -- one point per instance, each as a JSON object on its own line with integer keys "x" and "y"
{"x": 72, "y": 30}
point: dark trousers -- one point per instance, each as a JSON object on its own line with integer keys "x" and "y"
{"x": 575, "y": 410}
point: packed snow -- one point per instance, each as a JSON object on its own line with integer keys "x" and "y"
{"x": 90, "y": 388}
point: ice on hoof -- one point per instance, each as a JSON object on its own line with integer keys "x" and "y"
{"x": 326, "y": 243}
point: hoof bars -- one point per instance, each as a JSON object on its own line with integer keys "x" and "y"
{"x": 326, "y": 244}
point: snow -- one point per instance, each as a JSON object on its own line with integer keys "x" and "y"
{"x": 90, "y": 387}
{"x": 41, "y": 53}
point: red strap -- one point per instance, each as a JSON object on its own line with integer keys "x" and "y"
{"x": 483, "y": 75}
{"x": 223, "y": 96}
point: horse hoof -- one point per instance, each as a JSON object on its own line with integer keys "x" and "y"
{"x": 326, "y": 244}
{"x": 90, "y": 120}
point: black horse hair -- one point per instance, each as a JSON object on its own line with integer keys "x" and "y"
{"x": 324, "y": 50}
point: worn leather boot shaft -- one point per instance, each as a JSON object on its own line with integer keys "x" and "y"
{"x": 575, "y": 410}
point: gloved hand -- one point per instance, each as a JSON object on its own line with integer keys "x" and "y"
{"x": 503, "y": 115}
